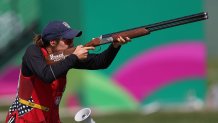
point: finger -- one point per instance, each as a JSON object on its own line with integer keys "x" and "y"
{"x": 122, "y": 40}
{"x": 85, "y": 54}
{"x": 118, "y": 39}
{"x": 89, "y": 48}
{"x": 128, "y": 39}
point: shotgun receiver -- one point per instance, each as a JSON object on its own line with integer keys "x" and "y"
{"x": 131, "y": 33}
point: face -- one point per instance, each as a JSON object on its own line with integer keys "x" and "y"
{"x": 63, "y": 44}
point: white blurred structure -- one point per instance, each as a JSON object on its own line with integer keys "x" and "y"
{"x": 212, "y": 97}
{"x": 84, "y": 116}
{"x": 10, "y": 28}
{"x": 193, "y": 102}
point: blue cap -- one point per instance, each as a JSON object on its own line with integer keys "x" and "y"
{"x": 59, "y": 29}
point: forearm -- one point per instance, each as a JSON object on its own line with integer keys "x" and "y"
{"x": 98, "y": 61}
{"x": 63, "y": 66}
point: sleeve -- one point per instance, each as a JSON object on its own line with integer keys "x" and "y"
{"x": 34, "y": 63}
{"x": 98, "y": 61}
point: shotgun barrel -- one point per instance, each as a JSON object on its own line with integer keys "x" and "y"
{"x": 177, "y": 22}
{"x": 168, "y": 23}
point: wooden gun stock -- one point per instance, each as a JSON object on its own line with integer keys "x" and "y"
{"x": 131, "y": 33}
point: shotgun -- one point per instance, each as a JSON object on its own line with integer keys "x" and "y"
{"x": 131, "y": 33}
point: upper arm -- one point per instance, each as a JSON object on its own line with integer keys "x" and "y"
{"x": 35, "y": 63}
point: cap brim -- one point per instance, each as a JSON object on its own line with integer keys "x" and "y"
{"x": 70, "y": 34}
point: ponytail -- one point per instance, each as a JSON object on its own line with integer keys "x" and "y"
{"x": 37, "y": 39}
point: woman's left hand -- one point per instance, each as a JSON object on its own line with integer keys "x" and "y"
{"x": 120, "y": 41}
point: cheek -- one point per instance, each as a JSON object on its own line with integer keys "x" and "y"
{"x": 62, "y": 46}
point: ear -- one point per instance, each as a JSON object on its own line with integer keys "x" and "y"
{"x": 53, "y": 43}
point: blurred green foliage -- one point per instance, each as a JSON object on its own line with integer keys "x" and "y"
{"x": 161, "y": 117}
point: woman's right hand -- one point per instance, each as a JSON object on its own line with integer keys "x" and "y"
{"x": 82, "y": 52}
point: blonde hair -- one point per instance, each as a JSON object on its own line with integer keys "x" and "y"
{"x": 37, "y": 39}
